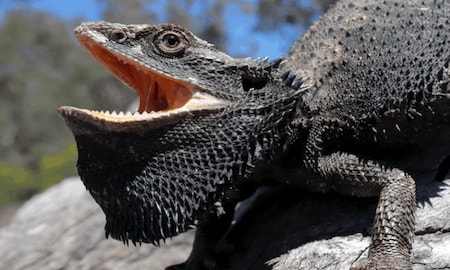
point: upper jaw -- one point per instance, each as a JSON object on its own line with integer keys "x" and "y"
{"x": 163, "y": 99}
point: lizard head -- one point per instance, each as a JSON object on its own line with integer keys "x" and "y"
{"x": 204, "y": 120}
{"x": 173, "y": 72}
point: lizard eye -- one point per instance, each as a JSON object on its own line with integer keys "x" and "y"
{"x": 118, "y": 36}
{"x": 171, "y": 43}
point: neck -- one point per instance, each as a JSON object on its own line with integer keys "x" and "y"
{"x": 159, "y": 191}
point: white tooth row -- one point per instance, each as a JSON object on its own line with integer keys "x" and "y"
{"x": 121, "y": 113}
{"x": 121, "y": 116}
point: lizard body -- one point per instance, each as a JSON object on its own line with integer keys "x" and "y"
{"x": 211, "y": 128}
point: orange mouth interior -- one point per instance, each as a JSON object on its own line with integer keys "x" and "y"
{"x": 156, "y": 92}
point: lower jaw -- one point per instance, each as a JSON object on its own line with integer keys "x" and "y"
{"x": 83, "y": 121}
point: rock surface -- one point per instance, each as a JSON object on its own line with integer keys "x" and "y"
{"x": 338, "y": 238}
{"x": 62, "y": 228}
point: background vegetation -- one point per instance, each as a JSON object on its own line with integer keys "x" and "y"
{"x": 42, "y": 67}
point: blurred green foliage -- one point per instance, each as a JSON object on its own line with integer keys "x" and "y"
{"x": 18, "y": 183}
{"x": 41, "y": 68}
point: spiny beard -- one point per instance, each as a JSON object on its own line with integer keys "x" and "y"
{"x": 155, "y": 209}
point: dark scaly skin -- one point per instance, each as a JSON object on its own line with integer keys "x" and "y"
{"x": 379, "y": 91}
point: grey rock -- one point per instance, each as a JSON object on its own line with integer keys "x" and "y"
{"x": 337, "y": 250}
{"x": 62, "y": 228}
{"x": 278, "y": 228}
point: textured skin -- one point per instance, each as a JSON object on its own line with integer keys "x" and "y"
{"x": 225, "y": 75}
{"x": 379, "y": 76}
{"x": 168, "y": 186}
{"x": 380, "y": 91}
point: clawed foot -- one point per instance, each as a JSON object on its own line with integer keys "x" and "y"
{"x": 384, "y": 263}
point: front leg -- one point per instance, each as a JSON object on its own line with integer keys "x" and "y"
{"x": 395, "y": 214}
{"x": 393, "y": 229}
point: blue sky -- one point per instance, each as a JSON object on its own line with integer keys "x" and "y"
{"x": 67, "y": 10}
{"x": 239, "y": 25}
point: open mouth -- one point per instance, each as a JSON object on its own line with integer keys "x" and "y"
{"x": 161, "y": 98}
